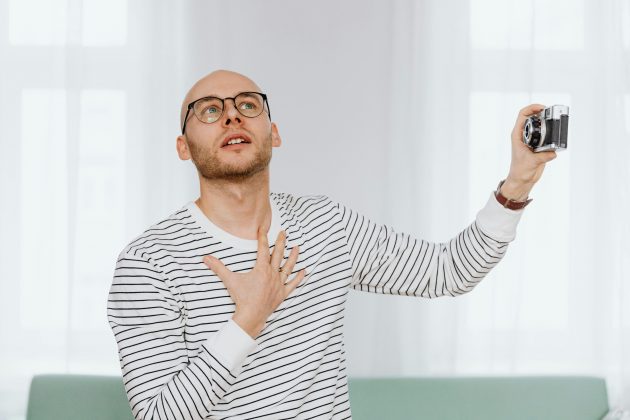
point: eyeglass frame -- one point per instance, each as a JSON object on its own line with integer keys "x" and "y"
{"x": 192, "y": 104}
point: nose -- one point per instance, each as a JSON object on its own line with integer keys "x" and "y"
{"x": 230, "y": 114}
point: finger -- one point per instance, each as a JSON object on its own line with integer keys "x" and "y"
{"x": 545, "y": 157}
{"x": 523, "y": 114}
{"x": 278, "y": 250}
{"x": 290, "y": 286}
{"x": 290, "y": 263}
{"x": 530, "y": 110}
{"x": 217, "y": 266}
{"x": 262, "y": 256}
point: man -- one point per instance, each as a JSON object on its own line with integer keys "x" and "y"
{"x": 212, "y": 322}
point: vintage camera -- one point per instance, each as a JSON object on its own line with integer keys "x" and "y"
{"x": 548, "y": 129}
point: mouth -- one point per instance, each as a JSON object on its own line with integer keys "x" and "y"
{"x": 235, "y": 141}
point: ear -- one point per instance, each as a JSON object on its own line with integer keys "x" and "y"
{"x": 276, "y": 141}
{"x": 182, "y": 148}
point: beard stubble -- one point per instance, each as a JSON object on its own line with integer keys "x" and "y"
{"x": 212, "y": 168}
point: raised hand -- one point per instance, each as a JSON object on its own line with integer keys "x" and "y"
{"x": 526, "y": 166}
{"x": 260, "y": 291}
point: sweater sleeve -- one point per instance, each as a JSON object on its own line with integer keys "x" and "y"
{"x": 162, "y": 377}
{"x": 385, "y": 261}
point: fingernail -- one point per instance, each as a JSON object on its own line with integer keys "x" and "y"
{"x": 207, "y": 259}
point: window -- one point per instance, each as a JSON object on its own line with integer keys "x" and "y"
{"x": 504, "y": 24}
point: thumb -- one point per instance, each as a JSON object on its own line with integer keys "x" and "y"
{"x": 217, "y": 266}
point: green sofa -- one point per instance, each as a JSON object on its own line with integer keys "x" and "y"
{"x": 74, "y": 397}
{"x": 487, "y": 398}
{"x": 71, "y": 397}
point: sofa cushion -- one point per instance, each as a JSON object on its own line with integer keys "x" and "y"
{"x": 487, "y": 398}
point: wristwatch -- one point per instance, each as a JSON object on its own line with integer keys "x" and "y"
{"x": 508, "y": 203}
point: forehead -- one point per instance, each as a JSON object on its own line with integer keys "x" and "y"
{"x": 222, "y": 85}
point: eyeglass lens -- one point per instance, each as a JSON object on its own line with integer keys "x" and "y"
{"x": 209, "y": 110}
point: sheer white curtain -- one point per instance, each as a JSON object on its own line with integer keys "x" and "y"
{"x": 88, "y": 117}
{"x": 401, "y": 110}
{"x": 558, "y": 303}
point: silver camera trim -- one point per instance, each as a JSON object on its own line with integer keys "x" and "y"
{"x": 551, "y": 146}
{"x": 556, "y": 111}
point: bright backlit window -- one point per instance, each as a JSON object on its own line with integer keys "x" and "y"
{"x": 44, "y": 210}
{"x": 556, "y": 25}
{"x": 37, "y": 22}
{"x": 99, "y": 211}
{"x": 104, "y": 22}
{"x": 542, "y": 291}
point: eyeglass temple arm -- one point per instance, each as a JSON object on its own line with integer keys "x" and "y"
{"x": 185, "y": 120}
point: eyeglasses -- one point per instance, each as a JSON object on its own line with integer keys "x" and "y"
{"x": 210, "y": 109}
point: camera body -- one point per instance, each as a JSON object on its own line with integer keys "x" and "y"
{"x": 548, "y": 129}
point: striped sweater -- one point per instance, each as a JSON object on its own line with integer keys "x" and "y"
{"x": 181, "y": 355}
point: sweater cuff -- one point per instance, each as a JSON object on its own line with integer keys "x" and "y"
{"x": 498, "y": 222}
{"x": 231, "y": 345}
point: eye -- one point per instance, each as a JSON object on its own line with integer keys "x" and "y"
{"x": 210, "y": 113}
{"x": 211, "y": 110}
{"x": 247, "y": 105}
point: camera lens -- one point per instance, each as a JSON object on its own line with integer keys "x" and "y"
{"x": 531, "y": 132}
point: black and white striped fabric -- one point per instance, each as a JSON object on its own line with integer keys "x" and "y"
{"x": 181, "y": 355}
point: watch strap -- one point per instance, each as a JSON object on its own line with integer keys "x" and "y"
{"x": 508, "y": 203}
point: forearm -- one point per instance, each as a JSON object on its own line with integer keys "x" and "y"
{"x": 385, "y": 261}
{"x": 162, "y": 378}
{"x": 193, "y": 385}
{"x": 516, "y": 190}
{"x": 466, "y": 259}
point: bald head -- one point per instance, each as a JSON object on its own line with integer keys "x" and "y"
{"x": 220, "y": 83}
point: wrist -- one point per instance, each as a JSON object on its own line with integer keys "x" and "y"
{"x": 515, "y": 190}
{"x": 248, "y": 324}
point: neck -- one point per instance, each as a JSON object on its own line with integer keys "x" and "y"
{"x": 238, "y": 208}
